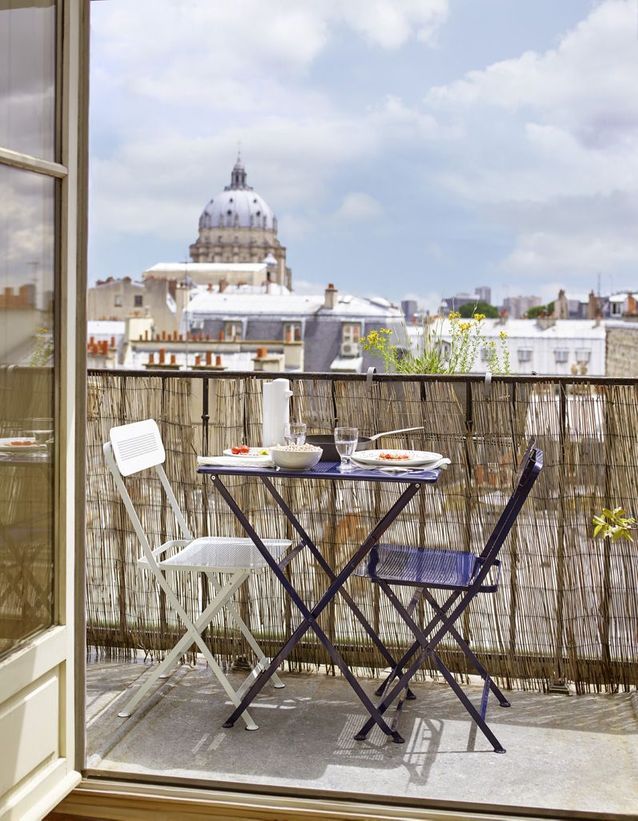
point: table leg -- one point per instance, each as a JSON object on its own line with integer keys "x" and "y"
{"x": 306, "y": 541}
{"x": 310, "y": 617}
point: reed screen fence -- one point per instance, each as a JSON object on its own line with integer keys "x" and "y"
{"x": 566, "y": 608}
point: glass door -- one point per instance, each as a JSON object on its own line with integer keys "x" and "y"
{"x": 41, "y": 264}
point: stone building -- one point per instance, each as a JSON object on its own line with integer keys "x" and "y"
{"x": 239, "y": 226}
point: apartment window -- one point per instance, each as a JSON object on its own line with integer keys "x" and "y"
{"x": 118, "y": 301}
{"x": 583, "y": 356}
{"x": 561, "y": 356}
{"x": 233, "y": 331}
{"x": 524, "y": 355}
{"x": 351, "y": 332}
{"x": 138, "y": 300}
{"x": 292, "y": 331}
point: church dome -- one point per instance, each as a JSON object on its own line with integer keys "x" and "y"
{"x": 238, "y": 206}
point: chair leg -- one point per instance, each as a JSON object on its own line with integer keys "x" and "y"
{"x": 163, "y": 670}
{"x": 245, "y": 631}
{"x": 467, "y": 651}
{"x": 471, "y": 709}
{"x": 193, "y": 635}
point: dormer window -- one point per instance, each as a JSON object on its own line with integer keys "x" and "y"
{"x": 583, "y": 356}
{"x": 292, "y": 331}
{"x": 561, "y": 356}
{"x": 351, "y": 332}
{"x": 233, "y": 331}
{"x": 524, "y": 355}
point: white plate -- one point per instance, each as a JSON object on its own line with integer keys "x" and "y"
{"x": 29, "y": 444}
{"x": 415, "y": 457}
{"x": 252, "y": 453}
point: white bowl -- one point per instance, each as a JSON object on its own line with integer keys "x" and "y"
{"x": 295, "y": 460}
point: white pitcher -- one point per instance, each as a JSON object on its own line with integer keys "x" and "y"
{"x": 275, "y": 411}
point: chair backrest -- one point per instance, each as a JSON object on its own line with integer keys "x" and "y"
{"x": 137, "y": 446}
{"x": 527, "y": 473}
{"x": 130, "y": 449}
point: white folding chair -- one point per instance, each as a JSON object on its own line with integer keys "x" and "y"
{"x": 136, "y": 447}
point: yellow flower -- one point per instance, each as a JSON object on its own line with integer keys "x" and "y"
{"x": 503, "y": 334}
{"x": 479, "y": 317}
{"x": 454, "y": 315}
{"x": 465, "y": 326}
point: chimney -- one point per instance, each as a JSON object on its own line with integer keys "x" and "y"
{"x": 331, "y": 297}
{"x": 223, "y": 284}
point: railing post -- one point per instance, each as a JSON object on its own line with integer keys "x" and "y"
{"x": 559, "y": 684}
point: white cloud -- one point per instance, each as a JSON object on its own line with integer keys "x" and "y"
{"x": 552, "y": 132}
{"x": 390, "y": 23}
{"x": 304, "y": 286}
{"x": 358, "y": 206}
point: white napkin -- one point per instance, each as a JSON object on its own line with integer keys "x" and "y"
{"x": 236, "y": 461}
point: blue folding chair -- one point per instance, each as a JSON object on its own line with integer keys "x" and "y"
{"x": 463, "y": 575}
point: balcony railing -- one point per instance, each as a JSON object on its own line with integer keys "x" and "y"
{"x": 566, "y": 608}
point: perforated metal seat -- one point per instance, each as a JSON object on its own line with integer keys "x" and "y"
{"x": 137, "y": 447}
{"x": 217, "y": 553}
{"x": 420, "y": 566}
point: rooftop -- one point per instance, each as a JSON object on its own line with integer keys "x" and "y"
{"x": 528, "y": 328}
{"x": 234, "y": 302}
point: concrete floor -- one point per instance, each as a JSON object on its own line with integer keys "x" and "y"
{"x": 571, "y": 753}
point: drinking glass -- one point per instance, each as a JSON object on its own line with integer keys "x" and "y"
{"x": 295, "y": 433}
{"x": 346, "y": 443}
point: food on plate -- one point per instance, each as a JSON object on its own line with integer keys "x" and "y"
{"x": 21, "y": 443}
{"x": 394, "y": 457}
{"x": 244, "y": 450}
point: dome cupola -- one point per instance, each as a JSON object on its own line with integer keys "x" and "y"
{"x": 238, "y": 206}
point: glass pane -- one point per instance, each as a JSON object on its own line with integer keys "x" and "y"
{"x": 27, "y": 76}
{"x": 26, "y": 403}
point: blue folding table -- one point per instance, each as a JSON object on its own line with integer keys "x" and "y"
{"x": 412, "y": 480}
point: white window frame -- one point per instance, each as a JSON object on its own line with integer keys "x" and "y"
{"x": 294, "y": 326}
{"x": 233, "y": 330}
{"x": 561, "y": 356}
{"x": 56, "y": 654}
{"x": 525, "y": 355}
{"x": 351, "y": 333}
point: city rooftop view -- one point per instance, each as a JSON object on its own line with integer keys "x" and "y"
{"x": 318, "y": 410}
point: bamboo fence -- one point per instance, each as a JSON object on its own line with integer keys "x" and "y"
{"x": 566, "y": 608}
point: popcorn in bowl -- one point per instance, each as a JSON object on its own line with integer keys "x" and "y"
{"x": 295, "y": 457}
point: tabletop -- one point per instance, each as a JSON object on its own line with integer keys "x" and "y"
{"x": 326, "y": 470}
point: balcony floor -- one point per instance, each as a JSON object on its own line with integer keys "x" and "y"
{"x": 577, "y": 753}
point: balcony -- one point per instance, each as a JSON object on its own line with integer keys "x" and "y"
{"x": 561, "y": 633}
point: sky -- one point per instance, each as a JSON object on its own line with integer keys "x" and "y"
{"x": 409, "y": 148}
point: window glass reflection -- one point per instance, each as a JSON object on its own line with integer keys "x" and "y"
{"x": 27, "y": 76}
{"x": 26, "y": 403}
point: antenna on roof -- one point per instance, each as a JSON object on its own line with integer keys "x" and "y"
{"x": 599, "y": 283}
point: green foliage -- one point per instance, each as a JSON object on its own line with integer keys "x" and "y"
{"x": 438, "y": 355}
{"x": 541, "y": 310}
{"x": 613, "y": 524}
{"x": 469, "y": 310}
{"x": 42, "y": 350}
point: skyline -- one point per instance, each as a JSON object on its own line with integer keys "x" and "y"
{"x": 408, "y": 149}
